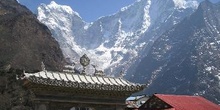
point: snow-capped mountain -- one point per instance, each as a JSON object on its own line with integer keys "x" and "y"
{"x": 185, "y": 59}
{"x": 116, "y": 41}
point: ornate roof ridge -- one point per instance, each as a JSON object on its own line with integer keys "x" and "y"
{"x": 92, "y": 75}
{"x": 82, "y": 80}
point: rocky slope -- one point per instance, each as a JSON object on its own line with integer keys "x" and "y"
{"x": 24, "y": 41}
{"x": 116, "y": 41}
{"x": 185, "y": 59}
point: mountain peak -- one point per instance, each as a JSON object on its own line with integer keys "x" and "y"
{"x": 116, "y": 39}
{"x": 53, "y": 3}
{"x": 54, "y": 7}
{"x": 61, "y": 8}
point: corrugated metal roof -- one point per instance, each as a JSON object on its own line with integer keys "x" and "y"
{"x": 184, "y": 102}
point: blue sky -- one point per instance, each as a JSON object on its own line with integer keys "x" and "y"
{"x": 89, "y": 10}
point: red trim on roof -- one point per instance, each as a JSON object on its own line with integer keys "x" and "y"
{"x": 184, "y": 102}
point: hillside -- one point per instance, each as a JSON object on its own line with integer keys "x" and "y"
{"x": 24, "y": 41}
{"x": 185, "y": 59}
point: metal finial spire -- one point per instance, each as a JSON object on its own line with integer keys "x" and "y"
{"x": 98, "y": 72}
{"x": 43, "y": 66}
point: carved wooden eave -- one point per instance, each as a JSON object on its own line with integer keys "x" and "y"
{"x": 59, "y": 89}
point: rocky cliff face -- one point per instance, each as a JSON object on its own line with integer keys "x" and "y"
{"x": 185, "y": 59}
{"x": 24, "y": 41}
{"x": 24, "y": 44}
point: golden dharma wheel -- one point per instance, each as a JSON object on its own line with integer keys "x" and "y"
{"x": 84, "y": 60}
